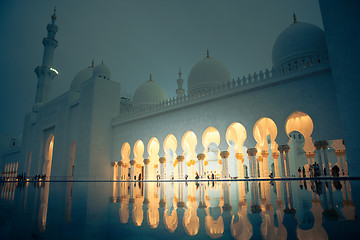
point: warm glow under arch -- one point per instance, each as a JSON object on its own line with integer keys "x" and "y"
{"x": 170, "y": 145}
{"x": 236, "y": 135}
{"x": 188, "y": 144}
{"x": 125, "y": 153}
{"x": 210, "y": 135}
{"x": 301, "y": 122}
{"x": 139, "y": 152}
{"x": 49, "y": 147}
{"x": 265, "y": 127}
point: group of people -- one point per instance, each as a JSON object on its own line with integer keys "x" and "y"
{"x": 38, "y": 177}
{"x": 315, "y": 171}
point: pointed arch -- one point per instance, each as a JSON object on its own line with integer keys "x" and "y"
{"x": 49, "y": 148}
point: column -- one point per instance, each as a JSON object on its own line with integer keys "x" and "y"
{"x": 225, "y": 163}
{"x": 255, "y": 165}
{"x": 180, "y": 160}
{"x": 132, "y": 170}
{"x": 261, "y": 166}
{"x": 240, "y": 160}
{"x": 324, "y": 145}
{"x": 249, "y": 152}
{"x": 337, "y": 154}
{"x": 287, "y": 161}
{"x": 275, "y": 155}
{"x": 317, "y": 145}
{"x": 265, "y": 155}
{"x": 162, "y": 161}
{"x": 312, "y": 156}
{"x": 308, "y": 156}
{"x": 281, "y": 150}
{"x": 201, "y": 158}
{"x": 345, "y": 169}
{"x": 120, "y": 170}
{"x": 146, "y": 169}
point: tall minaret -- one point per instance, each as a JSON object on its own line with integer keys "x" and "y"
{"x": 180, "y": 92}
{"x": 45, "y": 72}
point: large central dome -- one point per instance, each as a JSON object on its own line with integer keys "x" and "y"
{"x": 206, "y": 74}
{"x": 149, "y": 93}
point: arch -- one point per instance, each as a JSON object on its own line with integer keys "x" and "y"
{"x": 71, "y": 166}
{"x": 188, "y": 144}
{"x": 138, "y": 157}
{"x": 153, "y": 148}
{"x": 235, "y": 137}
{"x": 170, "y": 145}
{"x": 211, "y": 142}
{"x": 49, "y": 148}
{"x": 125, "y": 153}
{"x": 302, "y": 123}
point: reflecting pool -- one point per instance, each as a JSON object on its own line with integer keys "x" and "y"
{"x": 179, "y": 210}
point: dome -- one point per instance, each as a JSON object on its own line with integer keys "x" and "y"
{"x": 102, "y": 71}
{"x": 298, "y": 40}
{"x": 81, "y": 77}
{"x": 149, "y": 93}
{"x": 207, "y": 73}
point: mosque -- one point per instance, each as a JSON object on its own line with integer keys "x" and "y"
{"x": 267, "y": 123}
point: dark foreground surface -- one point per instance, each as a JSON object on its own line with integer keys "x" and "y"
{"x": 180, "y": 210}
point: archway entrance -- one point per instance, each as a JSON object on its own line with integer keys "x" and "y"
{"x": 170, "y": 145}
{"x": 188, "y": 144}
{"x": 211, "y": 141}
{"x": 235, "y": 137}
{"x": 49, "y": 147}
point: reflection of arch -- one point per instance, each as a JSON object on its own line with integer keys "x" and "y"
{"x": 170, "y": 145}
{"x": 170, "y": 221}
{"x": 49, "y": 147}
{"x": 301, "y": 122}
{"x": 72, "y": 159}
{"x": 188, "y": 144}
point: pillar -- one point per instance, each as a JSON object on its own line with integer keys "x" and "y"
{"x": 225, "y": 163}
{"x": 162, "y": 161}
{"x": 240, "y": 160}
{"x": 342, "y": 154}
{"x": 265, "y": 155}
{"x": 146, "y": 169}
{"x": 201, "y": 158}
{"x": 324, "y": 145}
{"x": 250, "y": 163}
{"x": 261, "y": 166}
{"x": 120, "y": 167}
{"x": 281, "y": 150}
{"x": 317, "y": 145}
{"x": 287, "y": 161}
{"x": 180, "y": 160}
{"x": 132, "y": 170}
{"x": 308, "y": 156}
{"x": 339, "y": 164}
{"x": 275, "y": 155}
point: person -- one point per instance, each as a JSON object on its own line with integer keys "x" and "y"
{"x": 186, "y": 177}
{"x": 303, "y": 171}
{"x": 139, "y": 177}
{"x": 335, "y": 171}
{"x": 212, "y": 176}
{"x": 299, "y": 172}
{"x": 196, "y": 175}
{"x": 271, "y": 175}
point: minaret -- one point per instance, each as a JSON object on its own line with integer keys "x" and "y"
{"x": 45, "y": 72}
{"x": 180, "y": 92}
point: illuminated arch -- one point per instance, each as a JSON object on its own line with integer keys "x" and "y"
{"x": 235, "y": 137}
{"x": 125, "y": 153}
{"x": 49, "y": 147}
{"x": 153, "y": 151}
{"x": 265, "y": 127}
{"x": 211, "y": 142}
{"x": 301, "y": 122}
{"x": 188, "y": 144}
{"x": 139, "y": 152}
{"x": 170, "y": 145}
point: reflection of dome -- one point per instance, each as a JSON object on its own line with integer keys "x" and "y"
{"x": 102, "y": 71}
{"x": 81, "y": 77}
{"x": 298, "y": 40}
{"x": 149, "y": 93}
{"x": 207, "y": 73}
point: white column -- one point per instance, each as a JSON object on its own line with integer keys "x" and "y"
{"x": 324, "y": 145}
{"x": 146, "y": 169}
{"x": 132, "y": 170}
{"x": 249, "y": 152}
{"x": 342, "y": 154}
{"x": 265, "y": 155}
{"x": 120, "y": 164}
{"x": 281, "y": 150}
{"x": 162, "y": 161}
{"x": 287, "y": 161}
{"x": 240, "y": 160}
{"x": 318, "y": 149}
{"x": 201, "y": 158}
{"x": 261, "y": 166}
{"x": 180, "y": 160}
{"x": 224, "y": 156}
{"x": 276, "y": 172}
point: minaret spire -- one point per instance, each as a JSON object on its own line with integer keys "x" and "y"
{"x": 207, "y": 53}
{"x": 46, "y": 73}
{"x": 294, "y": 18}
{"x": 180, "y": 92}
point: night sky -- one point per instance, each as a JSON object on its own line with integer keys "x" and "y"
{"x": 135, "y": 38}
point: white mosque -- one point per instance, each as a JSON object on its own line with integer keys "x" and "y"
{"x": 270, "y": 122}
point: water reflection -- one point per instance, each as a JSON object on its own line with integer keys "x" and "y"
{"x": 238, "y": 210}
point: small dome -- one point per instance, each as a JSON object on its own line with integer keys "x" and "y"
{"x": 149, "y": 93}
{"x": 102, "y": 71}
{"x": 81, "y": 77}
{"x": 298, "y": 40}
{"x": 206, "y": 74}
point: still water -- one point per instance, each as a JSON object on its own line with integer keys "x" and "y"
{"x": 179, "y": 210}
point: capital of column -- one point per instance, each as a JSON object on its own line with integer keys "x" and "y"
{"x": 284, "y": 148}
{"x": 132, "y": 162}
{"x": 337, "y": 153}
{"x": 239, "y": 156}
{"x": 260, "y": 158}
{"x": 317, "y": 145}
{"x": 251, "y": 151}
{"x": 312, "y": 155}
{"x": 308, "y": 155}
{"x": 162, "y": 160}
{"x": 192, "y": 162}
{"x": 180, "y": 158}
{"x": 342, "y": 152}
{"x": 264, "y": 153}
{"x": 201, "y": 156}
{"x": 146, "y": 161}
{"x": 275, "y": 155}
{"x": 324, "y": 144}
{"x": 224, "y": 154}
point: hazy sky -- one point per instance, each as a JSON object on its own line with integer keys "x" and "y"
{"x": 135, "y": 38}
